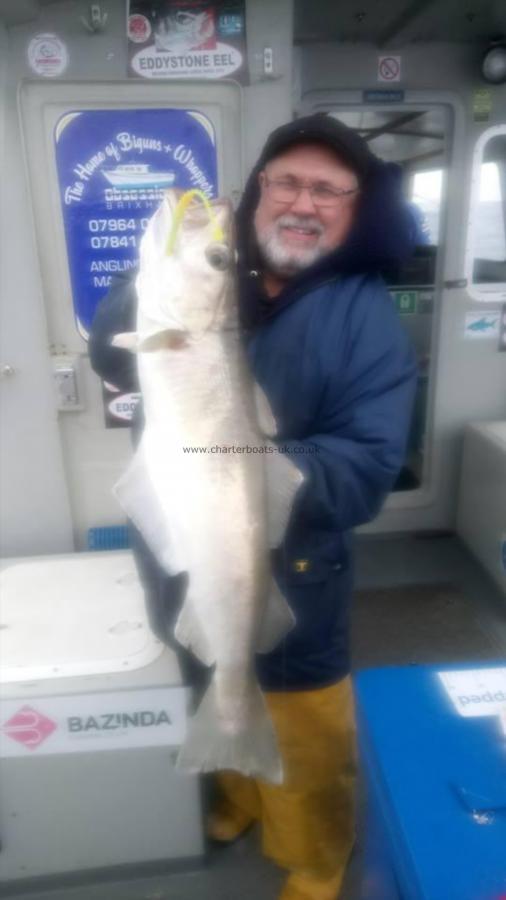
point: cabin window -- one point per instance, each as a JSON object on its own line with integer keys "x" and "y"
{"x": 486, "y": 246}
{"x": 490, "y": 239}
{"x": 426, "y": 189}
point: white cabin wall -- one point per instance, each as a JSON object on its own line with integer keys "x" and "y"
{"x": 268, "y": 101}
{"x": 4, "y": 49}
{"x": 438, "y": 65}
{"x": 35, "y": 515}
{"x": 470, "y": 378}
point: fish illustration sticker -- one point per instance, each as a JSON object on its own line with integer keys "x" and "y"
{"x": 482, "y": 324}
{"x": 187, "y": 40}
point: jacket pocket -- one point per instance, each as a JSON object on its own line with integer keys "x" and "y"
{"x": 313, "y": 561}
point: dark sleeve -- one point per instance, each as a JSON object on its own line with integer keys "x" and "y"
{"x": 115, "y": 314}
{"x": 355, "y": 458}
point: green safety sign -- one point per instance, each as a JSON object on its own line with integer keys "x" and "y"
{"x": 482, "y": 104}
{"x": 405, "y": 302}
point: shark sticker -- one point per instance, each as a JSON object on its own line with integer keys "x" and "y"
{"x": 482, "y": 324}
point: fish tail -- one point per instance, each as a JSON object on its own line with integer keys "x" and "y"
{"x": 213, "y": 743}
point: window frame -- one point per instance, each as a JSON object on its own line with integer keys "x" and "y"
{"x": 483, "y": 292}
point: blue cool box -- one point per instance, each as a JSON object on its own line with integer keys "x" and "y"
{"x": 436, "y": 789}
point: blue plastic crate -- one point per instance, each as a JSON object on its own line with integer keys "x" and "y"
{"x": 435, "y": 781}
{"x": 110, "y": 537}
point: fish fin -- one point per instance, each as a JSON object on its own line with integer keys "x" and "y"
{"x": 278, "y": 620}
{"x": 190, "y": 634}
{"x": 126, "y": 340}
{"x": 265, "y": 416}
{"x": 169, "y": 339}
{"x": 135, "y": 493}
{"x": 253, "y": 751}
{"x": 283, "y": 481}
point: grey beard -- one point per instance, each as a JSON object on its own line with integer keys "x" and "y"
{"x": 281, "y": 260}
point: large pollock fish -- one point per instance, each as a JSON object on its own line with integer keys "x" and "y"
{"x": 211, "y": 513}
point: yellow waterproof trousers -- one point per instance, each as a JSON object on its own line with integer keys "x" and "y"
{"x": 308, "y": 821}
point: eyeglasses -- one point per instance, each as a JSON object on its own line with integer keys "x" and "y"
{"x": 287, "y": 191}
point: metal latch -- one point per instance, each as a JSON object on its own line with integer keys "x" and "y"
{"x": 66, "y": 382}
{"x": 454, "y": 283}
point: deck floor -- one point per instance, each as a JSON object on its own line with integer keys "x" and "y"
{"x": 467, "y": 620}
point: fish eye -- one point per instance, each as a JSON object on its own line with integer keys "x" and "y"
{"x": 218, "y": 256}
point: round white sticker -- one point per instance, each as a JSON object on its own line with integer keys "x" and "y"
{"x": 47, "y": 55}
{"x": 139, "y": 28}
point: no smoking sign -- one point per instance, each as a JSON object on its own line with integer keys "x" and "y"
{"x": 389, "y": 68}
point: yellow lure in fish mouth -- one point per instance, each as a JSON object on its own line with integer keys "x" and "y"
{"x": 181, "y": 208}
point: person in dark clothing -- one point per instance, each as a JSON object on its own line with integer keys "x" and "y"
{"x": 320, "y": 220}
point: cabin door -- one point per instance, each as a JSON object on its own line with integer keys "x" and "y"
{"x": 99, "y": 156}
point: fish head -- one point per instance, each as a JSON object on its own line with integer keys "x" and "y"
{"x": 187, "y": 277}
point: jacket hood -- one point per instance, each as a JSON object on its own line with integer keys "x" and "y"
{"x": 382, "y": 236}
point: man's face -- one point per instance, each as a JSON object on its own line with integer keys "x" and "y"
{"x": 296, "y": 227}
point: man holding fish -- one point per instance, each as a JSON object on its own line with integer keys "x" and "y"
{"x": 320, "y": 437}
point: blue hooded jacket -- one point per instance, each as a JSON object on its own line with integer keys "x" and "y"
{"x": 340, "y": 374}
